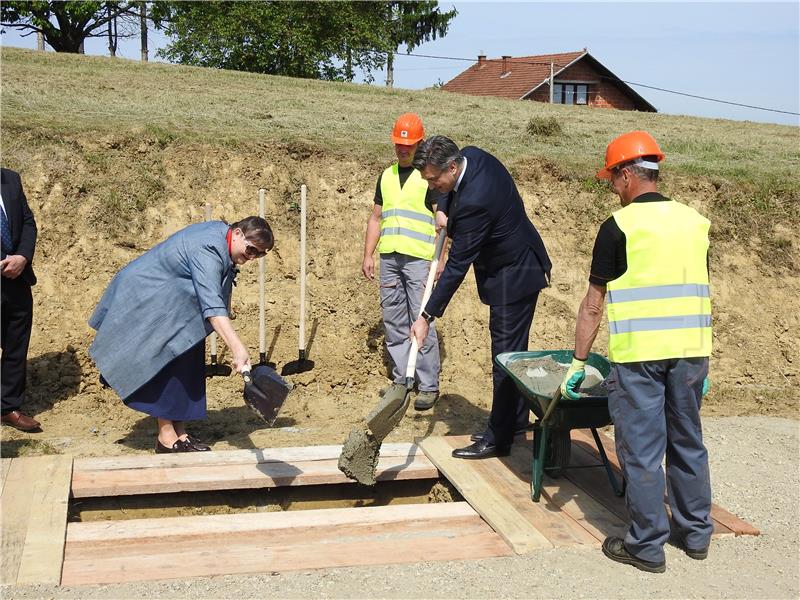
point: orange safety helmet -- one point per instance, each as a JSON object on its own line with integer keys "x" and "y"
{"x": 628, "y": 147}
{"x": 408, "y": 130}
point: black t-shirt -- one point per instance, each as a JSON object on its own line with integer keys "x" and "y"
{"x": 609, "y": 260}
{"x": 431, "y": 197}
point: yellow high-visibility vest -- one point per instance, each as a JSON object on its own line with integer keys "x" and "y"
{"x": 407, "y": 226}
{"x": 660, "y": 307}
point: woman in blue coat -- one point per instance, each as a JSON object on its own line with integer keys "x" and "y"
{"x": 154, "y": 316}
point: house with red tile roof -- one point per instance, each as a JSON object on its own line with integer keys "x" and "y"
{"x": 566, "y": 78}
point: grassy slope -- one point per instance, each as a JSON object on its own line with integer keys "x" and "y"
{"x": 74, "y": 94}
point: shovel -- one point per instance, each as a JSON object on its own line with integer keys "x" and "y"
{"x": 391, "y": 409}
{"x": 265, "y": 392}
{"x": 359, "y": 457}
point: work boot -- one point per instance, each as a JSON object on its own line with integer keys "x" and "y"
{"x": 614, "y": 548}
{"x": 695, "y": 553}
{"x": 425, "y": 400}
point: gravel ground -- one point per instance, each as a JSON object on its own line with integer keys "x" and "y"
{"x": 755, "y": 475}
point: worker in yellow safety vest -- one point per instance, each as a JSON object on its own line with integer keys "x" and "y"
{"x": 401, "y": 226}
{"x": 651, "y": 259}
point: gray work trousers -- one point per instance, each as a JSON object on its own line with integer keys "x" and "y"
{"x": 402, "y": 282}
{"x": 655, "y": 406}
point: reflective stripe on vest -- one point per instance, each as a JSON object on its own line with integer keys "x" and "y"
{"x": 660, "y": 307}
{"x": 407, "y": 226}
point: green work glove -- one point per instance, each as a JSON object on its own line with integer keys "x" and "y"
{"x": 706, "y": 386}
{"x": 573, "y": 379}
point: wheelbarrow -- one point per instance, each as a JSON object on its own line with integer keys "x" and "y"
{"x": 538, "y": 376}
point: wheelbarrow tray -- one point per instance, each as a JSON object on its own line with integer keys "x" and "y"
{"x": 585, "y": 413}
{"x": 553, "y": 427}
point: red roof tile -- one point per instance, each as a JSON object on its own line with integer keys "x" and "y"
{"x": 523, "y": 73}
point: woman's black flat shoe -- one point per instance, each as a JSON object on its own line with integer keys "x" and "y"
{"x": 178, "y": 446}
{"x": 197, "y": 444}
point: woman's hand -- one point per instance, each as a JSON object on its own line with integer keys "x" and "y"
{"x": 241, "y": 358}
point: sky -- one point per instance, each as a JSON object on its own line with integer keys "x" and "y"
{"x": 743, "y": 52}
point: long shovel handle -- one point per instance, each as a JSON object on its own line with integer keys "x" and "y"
{"x": 411, "y": 367}
{"x": 429, "y": 283}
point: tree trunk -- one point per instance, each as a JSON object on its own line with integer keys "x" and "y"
{"x": 80, "y": 48}
{"x": 390, "y": 70}
{"x": 40, "y": 41}
{"x": 143, "y": 24}
{"x": 112, "y": 33}
{"x": 349, "y": 64}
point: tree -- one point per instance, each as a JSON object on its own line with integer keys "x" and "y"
{"x": 74, "y": 21}
{"x": 323, "y": 40}
{"x": 412, "y": 23}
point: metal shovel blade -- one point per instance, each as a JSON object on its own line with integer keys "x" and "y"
{"x": 265, "y": 392}
{"x": 389, "y": 411}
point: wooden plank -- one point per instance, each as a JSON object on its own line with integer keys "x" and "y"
{"x": 271, "y": 473}
{"x": 233, "y": 457}
{"x": 141, "y": 529}
{"x": 510, "y": 482}
{"x": 5, "y": 465}
{"x": 504, "y": 518}
{"x": 267, "y": 542}
{"x": 565, "y": 496}
{"x": 43, "y": 554}
{"x": 15, "y": 513}
{"x": 724, "y": 519}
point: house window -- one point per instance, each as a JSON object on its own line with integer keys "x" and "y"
{"x": 570, "y": 93}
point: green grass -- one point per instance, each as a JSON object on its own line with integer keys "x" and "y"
{"x": 62, "y": 96}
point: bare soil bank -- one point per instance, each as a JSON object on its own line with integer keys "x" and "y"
{"x": 100, "y": 202}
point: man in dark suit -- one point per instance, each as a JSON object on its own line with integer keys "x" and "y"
{"x": 18, "y": 236}
{"x": 486, "y": 221}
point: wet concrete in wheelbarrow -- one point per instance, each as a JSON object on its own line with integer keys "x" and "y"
{"x": 544, "y": 376}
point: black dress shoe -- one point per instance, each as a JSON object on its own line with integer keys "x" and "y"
{"x": 481, "y": 449}
{"x": 477, "y": 437}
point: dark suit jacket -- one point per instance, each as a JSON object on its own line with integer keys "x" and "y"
{"x": 20, "y": 221}
{"x": 490, "y": 230}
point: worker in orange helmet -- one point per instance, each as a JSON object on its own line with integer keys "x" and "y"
{"x": 651, "y": 256}
{"x": 402, "y": 228}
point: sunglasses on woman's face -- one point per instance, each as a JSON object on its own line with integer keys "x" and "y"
{"x": 253, "y": 252}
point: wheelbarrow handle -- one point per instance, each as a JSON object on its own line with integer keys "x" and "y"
{"x": 553, "y": 402}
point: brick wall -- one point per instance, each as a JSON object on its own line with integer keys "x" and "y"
{"x": 602, "y": 92}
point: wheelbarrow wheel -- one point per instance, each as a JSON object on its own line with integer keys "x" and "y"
{"x": 558, "y": 453}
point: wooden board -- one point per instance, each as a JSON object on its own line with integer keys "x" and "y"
{"x": 563, "y": 496}
{"x": 239, "y": 469}
{"x": 496, "y": 509}
{"x": 34, "y": 506}
{"x": 180, "y": 547}
{"x": 577, "y": 509}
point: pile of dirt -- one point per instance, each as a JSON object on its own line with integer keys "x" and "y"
{"x": 99, "y": 203}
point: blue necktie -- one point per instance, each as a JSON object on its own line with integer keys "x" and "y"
{"x": 5, "y": 234}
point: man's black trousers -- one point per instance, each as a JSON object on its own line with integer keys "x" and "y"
{"x": 509, "y": 327}
{"x": 16, "y": 314}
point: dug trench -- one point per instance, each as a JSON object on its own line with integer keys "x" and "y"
{"x": 149, "y": 506}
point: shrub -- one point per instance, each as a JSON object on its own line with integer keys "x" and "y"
{"x": 543, "y": 127}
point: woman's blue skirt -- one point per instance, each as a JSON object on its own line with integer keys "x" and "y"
{"x": 178, "y": 391}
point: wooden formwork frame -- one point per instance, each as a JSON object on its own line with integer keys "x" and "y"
{"x": 497, "y": 519}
